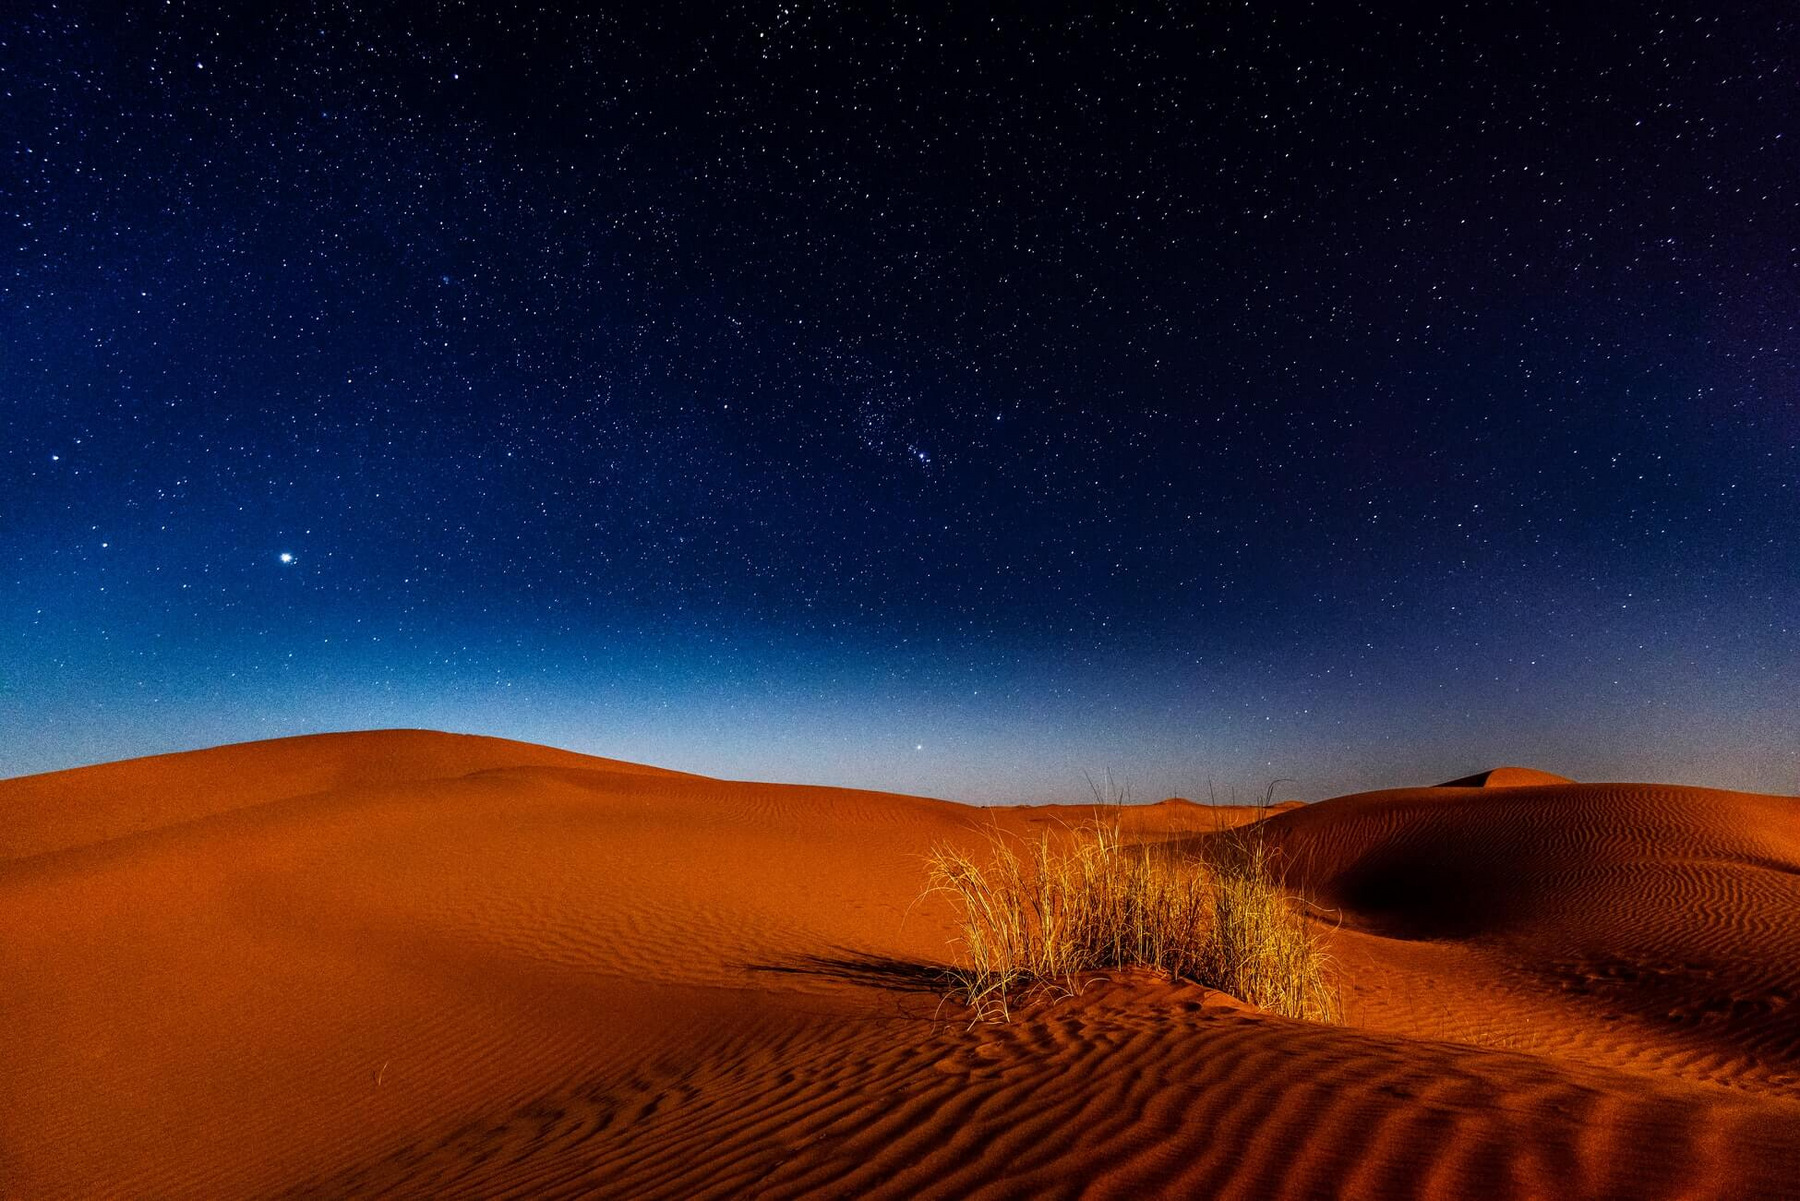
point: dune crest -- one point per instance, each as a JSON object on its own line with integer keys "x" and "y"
{"x": 401, "y": 963}
{"x": 84, "y": 805}
{"x": 1507, "y": 777}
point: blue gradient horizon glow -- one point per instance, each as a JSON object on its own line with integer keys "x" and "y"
{"x": 963, "y": 722}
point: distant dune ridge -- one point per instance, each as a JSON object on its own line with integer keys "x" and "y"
{"x": 404, "y": 963}
{"x": 66, "y": 809}
{"x": 1508, "y": 777}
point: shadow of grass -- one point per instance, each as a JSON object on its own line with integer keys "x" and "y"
{"x": 867, "y": 971}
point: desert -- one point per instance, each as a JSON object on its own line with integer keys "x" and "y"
{"x": 405, "y": 963}
{"x": 798, "y": 599}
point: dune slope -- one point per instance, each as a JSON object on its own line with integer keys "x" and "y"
{"x": 1633, "y": 925}
{"x": 64, "y": 809}
{"x": 408, "y": 964}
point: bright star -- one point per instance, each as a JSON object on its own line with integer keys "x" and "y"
{"x": 286, "y": 558}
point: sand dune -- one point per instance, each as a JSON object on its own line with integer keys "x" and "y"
{"x": 92, "y": 804}
{"x": 1633, "y": 925}
{"x": 1507, "y": 777}
{"x": 413, "y": 964}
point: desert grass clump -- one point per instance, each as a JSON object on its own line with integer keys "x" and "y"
{"x": 1259, "y": 947}
{"x": 1039, "y": 912}
{"x": 1034, "y": 914}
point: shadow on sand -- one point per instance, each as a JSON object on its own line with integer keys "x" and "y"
{"x": 868, "y": 971}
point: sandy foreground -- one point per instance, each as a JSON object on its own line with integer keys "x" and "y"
{"x": 418, "y": 964}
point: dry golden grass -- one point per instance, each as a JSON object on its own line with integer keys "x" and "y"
{"x": 1259, "y": 947}
{"x": 1038, "y": 913}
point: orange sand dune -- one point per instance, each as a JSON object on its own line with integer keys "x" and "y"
{"x": 1628, "y": 924}
{"x": 91, "y": 804}
{"x": 1507, "y": 777}
{"x": 411, "y": 964}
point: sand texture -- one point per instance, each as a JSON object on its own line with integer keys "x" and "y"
{"x": 416, "y": 964}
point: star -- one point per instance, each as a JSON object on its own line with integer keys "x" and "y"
{"x": 286, "y": 557}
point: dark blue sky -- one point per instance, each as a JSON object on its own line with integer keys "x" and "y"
{"x": 946, "y": 402}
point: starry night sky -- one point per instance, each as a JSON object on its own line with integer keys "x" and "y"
{"x": 954, "y": 402}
